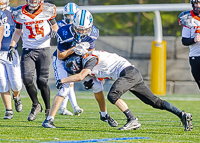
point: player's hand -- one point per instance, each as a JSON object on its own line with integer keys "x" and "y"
{"x": 58, "y": 84}
{"x": 82, "y": 48}
{"x": 197, "y": 38}
{"x": 88, "y": 84}
{"x": 10, "y": 53}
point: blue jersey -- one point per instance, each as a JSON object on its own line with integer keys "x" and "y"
{"x": 66, "y": 38}
{"x": 9, "y": 28}
{"x": 62, "y": 23}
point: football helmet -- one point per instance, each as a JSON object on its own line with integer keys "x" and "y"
{"x": 34, "y": 3}
{"x": 195, "y": 9}
{"x": 69, "y": 10}
{"x": 82, "y": 23}
{"x": 4, "y": 3}
{"x": 73, "y": 64}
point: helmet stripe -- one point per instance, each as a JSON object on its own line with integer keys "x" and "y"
{"x": 71, "y": 7}
{"x": 82, "y": 17}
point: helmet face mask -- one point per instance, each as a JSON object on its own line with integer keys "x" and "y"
{"x": 69, "y": 10}
{"x": 4, "y": 3}
{"x": 196, "y": 9}
{"x": 34, "y": 3}
{"x": 82, "y": 23}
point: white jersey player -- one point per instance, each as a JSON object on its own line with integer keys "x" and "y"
{"x": 9, "y": 70}
{"x": 37, "y": 21}
{"x": 103, "y": 64}
{"x": 191, "y": 37}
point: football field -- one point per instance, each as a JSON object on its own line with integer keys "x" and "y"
{"x": 157, "y": 126}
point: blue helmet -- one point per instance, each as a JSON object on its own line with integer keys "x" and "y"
{"x": 69, "y": 9}
{"x": 73, "y": 64}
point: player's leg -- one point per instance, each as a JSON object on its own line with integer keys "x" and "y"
{"x": 57, "y": 101}
{"x": 28, "y": 69}
{"x": 99, "y": 96}
{"x": 195, "y": 68}
{"x": 4, "y": 90}
{"x": 72, "y": 97}
{"x": 14, "y": 76}
{"x": 42, "y": 71}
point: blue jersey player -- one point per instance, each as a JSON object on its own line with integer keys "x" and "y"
{"x": 10, "y": 70}
{"x": 68, "y": 13}
{"x": 75, "y": 39}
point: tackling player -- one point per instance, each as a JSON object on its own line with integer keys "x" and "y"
{"x": 68, "y": 13}
{"x": 191, "y": 37}
{"x": 102, "y": 64}
{"x": 37, "y": 21}
{"x": 76, "y": 39}
{"x": 10, "y": 70}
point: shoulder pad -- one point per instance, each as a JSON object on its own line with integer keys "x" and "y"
{"x": 185, "y": 18}
{"x": 64, "y": 34}
{"x": 49, "y": 10}
{"x": 94, "y": 33}
{"x": 17, "y": 13}
{"x": 87, "y": 57}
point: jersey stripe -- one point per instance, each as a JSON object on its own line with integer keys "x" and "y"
{"x": 82, "y": 17}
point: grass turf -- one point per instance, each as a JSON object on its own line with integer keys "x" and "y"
{"x": 160, "y": 126}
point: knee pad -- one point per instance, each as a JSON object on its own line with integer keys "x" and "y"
{"x": 42, "y": 83}
{"x": 27, "y": 80}
{"x": 64, "y": 91}
{"x": 159, "y": 104}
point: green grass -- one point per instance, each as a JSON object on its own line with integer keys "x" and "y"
{"x": 160, "y": 126}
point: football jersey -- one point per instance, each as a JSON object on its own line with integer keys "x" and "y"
{"x": 36, "y": 29}
{"x": 109, "y": 65}
{"x": 66, "y": 38}
{"x": 9, "y": 28}
{"x": 191, "y": 27}
{"x": 62, "y": 23}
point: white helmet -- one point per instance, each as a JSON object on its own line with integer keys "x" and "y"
{"x": 34, "y": 3}
{"x": 70, "y": 8}
{"x": 82, "y": 23}
{"x": 4, "y": 3}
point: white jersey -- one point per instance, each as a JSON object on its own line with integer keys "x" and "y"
{"x": 36, "y": 29}
{"x": 109, "y": 65}
{"x": 191, "y": 27}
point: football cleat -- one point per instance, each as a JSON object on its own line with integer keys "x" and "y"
{"x": 8, "y": 114}
{"x": 18, "y": 103}
{"x": 186, "y": 120}
{"x": 64, "y": 111}
{"x": 34, "y": 112}
{"x": 109, "y": 120}
{"x": 131, "y": 124}
{"x": 48, "y": 123}
{"x": 77, "y": 110}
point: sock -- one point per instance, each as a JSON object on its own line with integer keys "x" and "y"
{"x": 171, "y": 108}
{"x": 129, "y": 114}
{"x": 103, "y": 114}
{"x": 50, "y": 118}
{"x": 72, "y": 97}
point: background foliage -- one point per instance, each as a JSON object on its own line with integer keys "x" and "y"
{"x": 126, "y": 24}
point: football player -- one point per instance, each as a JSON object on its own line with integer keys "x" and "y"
{"x": 191, "y": 37}
{"x": 76, "y": 39}
{"x": 102, "y": 64}
{"x": 68, "y": 13}
{"x": 10, "y": 70}
{"x": 37, "y": 21}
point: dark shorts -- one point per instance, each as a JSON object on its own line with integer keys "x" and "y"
{"x": 36, "y": 60}
{"x": 195, "y": 68}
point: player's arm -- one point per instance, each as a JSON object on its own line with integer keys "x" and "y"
{"x": 64, "y": 54}
{"x": 1, "y": 34}
{"x": 15, "y": 37}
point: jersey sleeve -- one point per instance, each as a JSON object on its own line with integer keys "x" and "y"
{"x": 186, "y": 32}
{"x": 90, "y": 62}
{"x": 94, "y": 33}
{"x": 16, "y": 14}
{"x": 3, "y": 18}
{"x": 50, "y": 10}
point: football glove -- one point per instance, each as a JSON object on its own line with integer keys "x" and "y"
{"x": 88, "y": 84}
{"x": 81, "y": 48}
{"x": 10, "y": 53}
{"x": 58, "y": 84}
